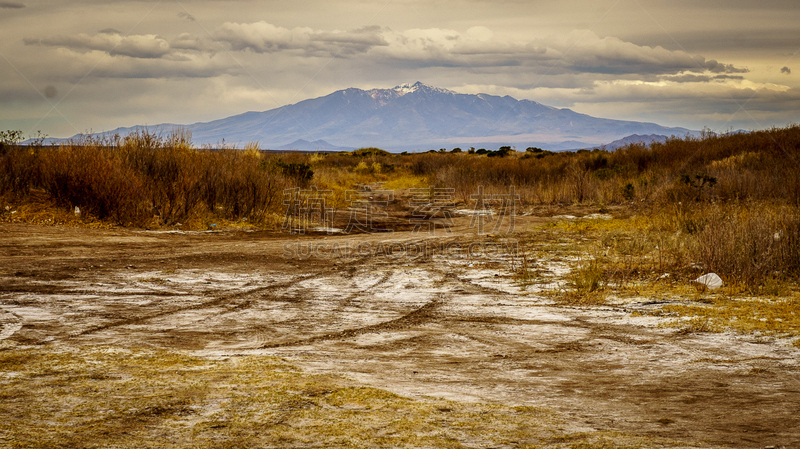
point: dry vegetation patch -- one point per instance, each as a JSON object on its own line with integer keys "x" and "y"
{"x": 105, "y": 396}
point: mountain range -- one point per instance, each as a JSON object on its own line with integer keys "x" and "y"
{"x": 414, "y": 117}
{"x": 635, "y": 138}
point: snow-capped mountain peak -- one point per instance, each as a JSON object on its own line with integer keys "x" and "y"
{"x": 408, "y": 88}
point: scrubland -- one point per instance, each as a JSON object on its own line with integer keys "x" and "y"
{"x": 146, "y": 296}
{"x": 727, "y": 203}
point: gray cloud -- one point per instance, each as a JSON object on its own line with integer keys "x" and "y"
{"x": 163, "y": 68}
{"x": 716, "y": 67}
{"x": 188, "y": 42}
{"x": 187, "y": 16}
{"x": 135, "y": 46}
{"x": 693, "y": 78}
{"x": 263, "y": 37}
{"x": 575, "y": 53}
{"x": 71, "y": 67}
{"x": 786, "y": 70}
{"x": 728, "y": 77}
{"x": 12, "y": 5}
{"x": 777, "y": 37}
{"x": 578, "y": 52}
{"x": 758, "y": 98}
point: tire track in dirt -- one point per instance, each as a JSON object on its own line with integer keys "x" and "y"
{"x": 416, "y": 317}
{"x": 39, "y": 289}
{"x": 250, "y": 302}
{"x": 265, "y": 337}
{"x": 53, "y": 289}
{"x": 346, "y": 301}
{"x": 204, "y": 305}
{"x": 269, "y": 291}
{"x": 157, "y": 293}
{"x": 494, "y": 292}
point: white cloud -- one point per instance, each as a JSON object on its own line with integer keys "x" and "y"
{"x": 480, "y": 33}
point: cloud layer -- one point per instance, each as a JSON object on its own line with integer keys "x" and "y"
{"x": 686, "y": 63}
{"x": 136, "y": 46}
{"x": 263, "y": 37}
{"x": 576, "y": 52}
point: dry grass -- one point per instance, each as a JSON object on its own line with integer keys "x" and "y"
{"x": 655, "y": 256}
{"x": 752, "y": 245}
{"x": 727, "y": 204}
{"x": 166, "y": 172}
{"x": 777, "y": 316}
{"x": 146, "y": 180}
{"x": 100, "y": 397}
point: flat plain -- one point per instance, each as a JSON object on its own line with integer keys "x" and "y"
{"x": 233, "y": 338}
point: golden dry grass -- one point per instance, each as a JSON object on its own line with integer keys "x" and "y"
{"x": 106, "y": 396}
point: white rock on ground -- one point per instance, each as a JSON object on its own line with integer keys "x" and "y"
{"x": 711, "y": 280}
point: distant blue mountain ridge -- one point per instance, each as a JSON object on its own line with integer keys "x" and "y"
{"x": 413, "y": 117}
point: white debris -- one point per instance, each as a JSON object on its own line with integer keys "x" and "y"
{"x": 328, "y": 230}
{"x": 470, "y": 212}
{"x": 711, "y": 281}
{"x": 598, "y": 217}
{"x": 77, "y": 211}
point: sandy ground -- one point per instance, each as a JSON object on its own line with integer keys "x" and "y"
{"x": 452, "y": 323}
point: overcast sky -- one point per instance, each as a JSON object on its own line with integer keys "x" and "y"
{"x": 75, "y": 66}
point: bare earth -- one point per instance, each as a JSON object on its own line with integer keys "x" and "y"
{"x": 450, "y": 326}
